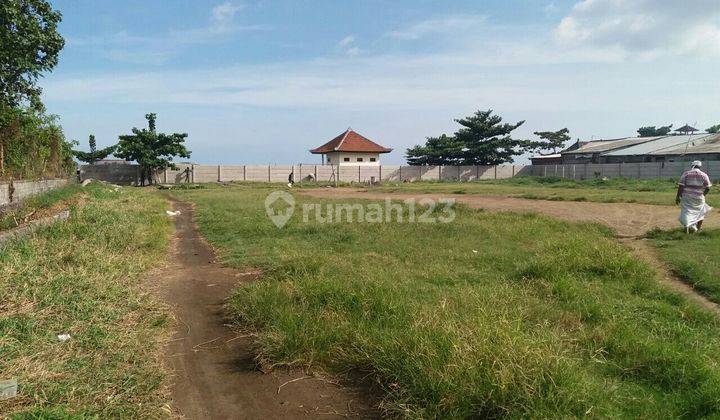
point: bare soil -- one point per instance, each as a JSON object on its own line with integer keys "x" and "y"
{"x": 215, "y": 373}
{"x": 629, "y": 221}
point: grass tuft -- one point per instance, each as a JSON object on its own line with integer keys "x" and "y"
{"x": 545, "y": 319}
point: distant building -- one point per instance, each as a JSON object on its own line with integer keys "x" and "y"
{"x": 350, "y": 148}
{"x": 113, "y": 162}
{"x": 672, "y": 148}
{"x": 553, "y": 159}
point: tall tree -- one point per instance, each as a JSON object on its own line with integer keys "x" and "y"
{"x": 441, "y": 150}
{"x": 483, "y": 139}
{"x": 552, "y": 140}
{"x": 651, "y": 131}
{"x": 153, "y": 151}
{"x": 29, "y": 45}
{"x": 488, "y": 141}
{"x": 94, "y": 154}
{"x": 714, "y": 129}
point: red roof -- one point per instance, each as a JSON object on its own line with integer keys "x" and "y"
{"x": 350, "y": 141}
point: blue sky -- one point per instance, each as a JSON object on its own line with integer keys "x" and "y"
{"x": 263, "y": 81}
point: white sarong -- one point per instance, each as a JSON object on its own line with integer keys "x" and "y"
{"x": 692, "y": 210}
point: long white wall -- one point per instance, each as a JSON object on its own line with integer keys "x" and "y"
{"x": 394, "y": 173}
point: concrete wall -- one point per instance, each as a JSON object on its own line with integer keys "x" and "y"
{"x": 127, "y": 174}
{"x": 16, "y": 191}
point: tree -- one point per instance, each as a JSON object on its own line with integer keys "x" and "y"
{"x": 651, "y": 131}
{"x": 153, "y": 151}
{"x": 94, "y": 154}
{"x": 441, "y": 150}
{"x": 482, "y": 140}
{"x": 552, "y": 140}
{"x": 29, "y": 45}
{"x": 714, "y": 129}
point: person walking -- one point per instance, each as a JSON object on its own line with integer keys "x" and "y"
{"x": 694, "y": 185}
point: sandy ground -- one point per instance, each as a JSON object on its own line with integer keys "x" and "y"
{"x": 215, "y": 374}
{"x": 629, "y": 221}
{"x": 626, "y": 219}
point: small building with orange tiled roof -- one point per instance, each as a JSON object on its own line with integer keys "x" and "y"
{"x": 350, "y": 148}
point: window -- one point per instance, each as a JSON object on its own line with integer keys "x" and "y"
{"x": 372, "y": 159}
{"x": 347, "y": 159}
{"x": 359, "y": 159}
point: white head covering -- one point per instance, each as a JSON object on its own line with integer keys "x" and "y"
{"x": 696, "y": 164}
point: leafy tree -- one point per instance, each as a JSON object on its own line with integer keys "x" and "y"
{"x": 94, "y": 154}
{"x": 482, "y": 140}
{"x": 714, "y": 129}
{"x": 153, "y": 151}
{"x": 441, "y": 150}
{"x": 651, "y": 131}
{"x": 552, "y": 140}
{"x": 29, "y": 45}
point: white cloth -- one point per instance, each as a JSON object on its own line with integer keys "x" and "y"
{"x": 692, "y": 210}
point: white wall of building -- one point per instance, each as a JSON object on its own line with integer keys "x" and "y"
{"x": 346, "y": 158}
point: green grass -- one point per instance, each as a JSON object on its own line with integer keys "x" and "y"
{"x": 546, "y": 319}
{"x": 693, "y": 258}
{"x": 14, "y": 216}
{"x": 85, "y": 277}
{"x": 616, "y": 190}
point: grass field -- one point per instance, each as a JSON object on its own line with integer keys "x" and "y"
{"x": 693, "y": 258}
{"x": 83, "y": 277}
{"x": 660, "y": 192}
{"x": 492, "y": 315}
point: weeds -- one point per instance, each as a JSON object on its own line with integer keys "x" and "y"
{"x": 545, "y": 319}
{"x": 83, "y": 277}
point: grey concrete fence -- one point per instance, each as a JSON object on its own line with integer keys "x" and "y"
{"x": 12, "y": 192}
{"x": 130, "y": 174}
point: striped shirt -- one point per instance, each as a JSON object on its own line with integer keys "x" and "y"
{"x": 694, "y": 182}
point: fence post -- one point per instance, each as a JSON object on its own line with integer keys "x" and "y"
{"x": 165, "y": 176}
{"x": 620, "y": 170}
{"x": 192, "y": 173}
{"x": 513, "y": 171}
{"x": 219, "y": 173}
{"x": 439, "y": 172}
{"x": 639, "y": 170}
{"x": 269, "y": 179}
{"x": 380, "y": 173}
{"x": 359, "y": 174}
{"x": 400, "y": 173}
{"x": 244, "y": 172}
{"x": 316, "y": 179}
{"x": 545, "y": 170}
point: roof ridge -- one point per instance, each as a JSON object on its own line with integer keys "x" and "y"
{"x": 343, "y": 139}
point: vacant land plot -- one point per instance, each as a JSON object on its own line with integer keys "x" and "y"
{"x": 490, "y": 315}
{"x": 693, "y": 258}
{"x": 557, "y": 189}
{"x": 83, "y": 278}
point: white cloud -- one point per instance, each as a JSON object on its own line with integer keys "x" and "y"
{"x": 222, "y": 16}
{"x": 645, "y": 28}
{"x": 352, "y": 51}
{"x": 156, "y": 50}
{"x": 446, "y": 25}
{"x": 346, "y": 41}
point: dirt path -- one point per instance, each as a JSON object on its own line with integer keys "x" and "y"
{"x": 630, "y": 222}
{"x": 215, "y": 372}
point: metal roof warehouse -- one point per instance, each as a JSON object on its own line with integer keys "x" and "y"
{"x": 669, "y": 148}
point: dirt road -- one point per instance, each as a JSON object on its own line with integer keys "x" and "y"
{"x": 630, "y": 222}
{"x": 215, "y": 374}
{"x": 625, "y": 218}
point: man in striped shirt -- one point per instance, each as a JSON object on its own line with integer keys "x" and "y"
{"x": 693, "y": 186}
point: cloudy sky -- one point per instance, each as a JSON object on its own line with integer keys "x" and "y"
{"x": 263, "y": 81}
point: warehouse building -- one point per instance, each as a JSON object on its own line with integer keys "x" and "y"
{"x": 671, "y": 148}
